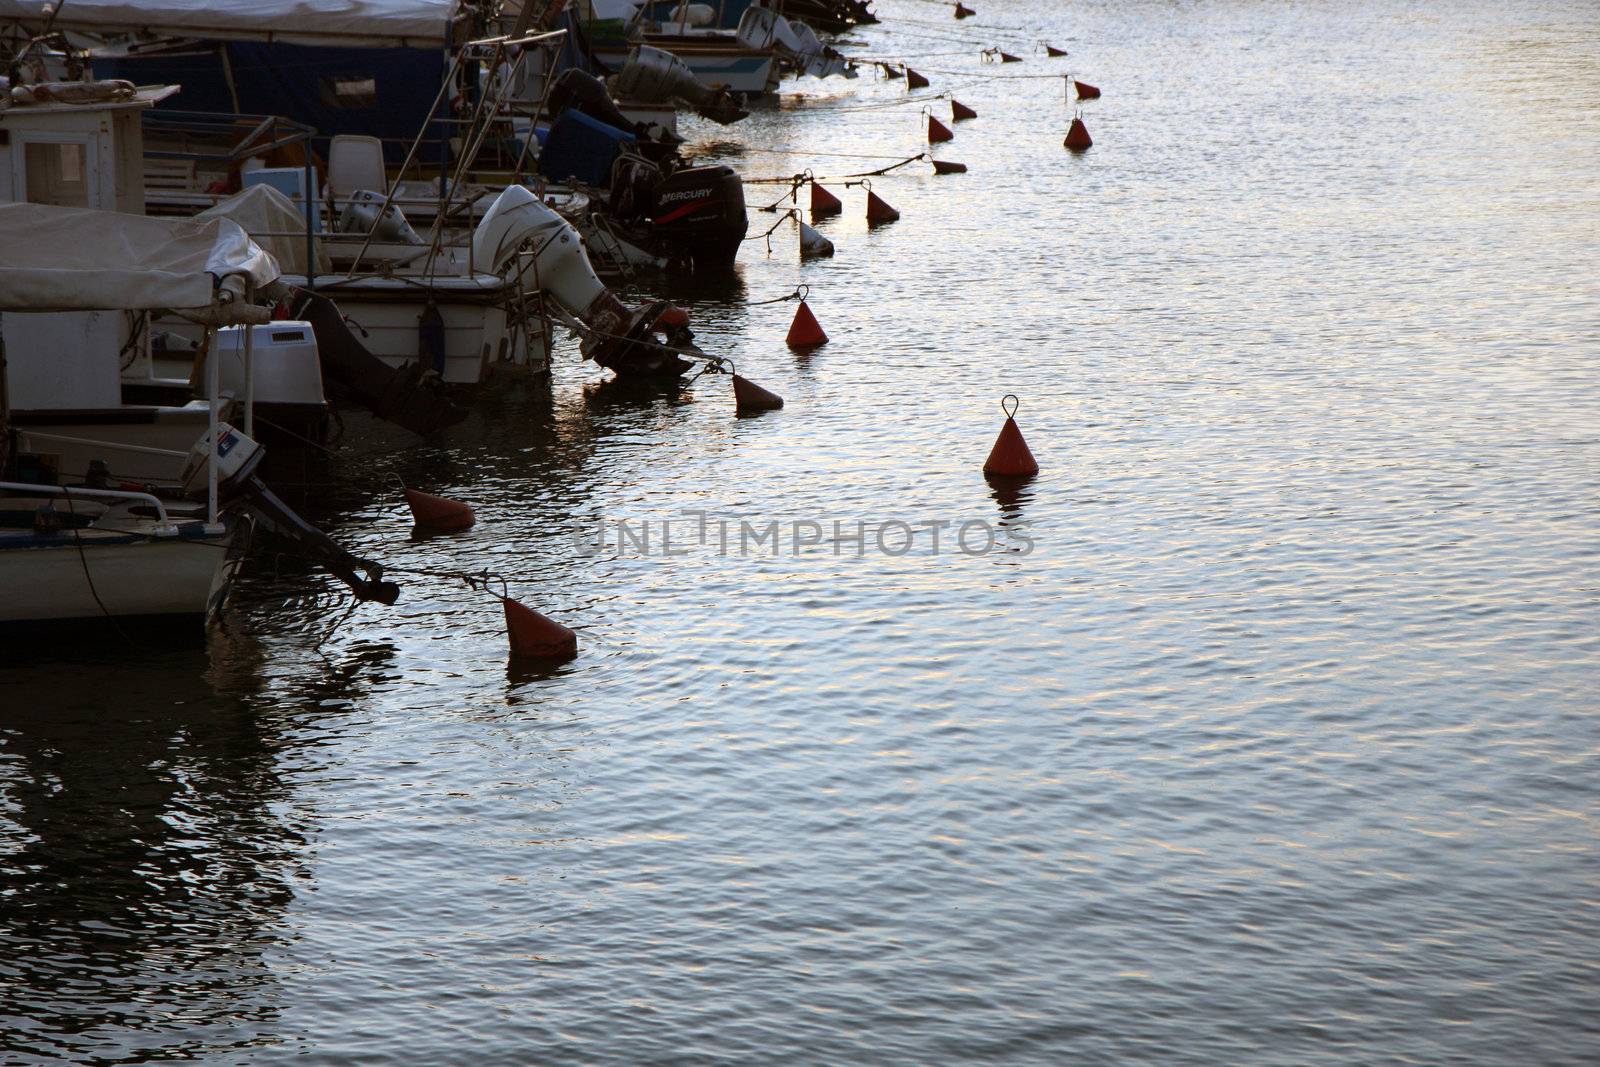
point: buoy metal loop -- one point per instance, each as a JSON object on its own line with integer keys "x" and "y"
{"x": 1015, "y": 404}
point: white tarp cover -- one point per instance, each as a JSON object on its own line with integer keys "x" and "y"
{"x": 274, "y": 223}
{"x": 613, "y": 9}
{"x": 370, "y": 23}
{"x": 78, "y": 259}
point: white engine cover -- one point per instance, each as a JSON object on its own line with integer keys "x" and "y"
{"x": 236, "y": 457}
{"x": 560, "y": 265}
{"x": 284, "y": 357}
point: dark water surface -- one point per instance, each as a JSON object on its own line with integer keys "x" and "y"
{"x": 1262, "y": 731}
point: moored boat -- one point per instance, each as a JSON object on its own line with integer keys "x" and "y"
{"x": 102, "y": 544}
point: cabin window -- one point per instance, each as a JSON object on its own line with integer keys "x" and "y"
{"x": 349, "y": 91}
{"x": 58, "y": 173}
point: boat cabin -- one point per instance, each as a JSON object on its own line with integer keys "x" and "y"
{"x": 63, "y": 371}
{"x": 77, "y": 154}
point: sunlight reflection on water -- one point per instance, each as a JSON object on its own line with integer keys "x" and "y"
{"x": 1277, "y": 746}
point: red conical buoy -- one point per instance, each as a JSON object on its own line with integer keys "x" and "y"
{"x": 941, "y": 166}
{"x": 824, "y": 202}
{"x": 1010, "y": 456}
{"x": 1086, "y": 91}
{"x": 959, "y": 111}
{"x": 878, "y": 210}
{"x": 1053, "y": 52}
{"x": 804, "y": 332}
{"x": 436, "y": 512}
{"x": 533, "y": 636}
{"x": 938, "y": 131}
{"x": 1007, "y": 57}
{"x": 749, "y": 397}
{"x": 964, "y": 12}
{"x": 915, "y": 80}
{"x": 1078, "y": 138}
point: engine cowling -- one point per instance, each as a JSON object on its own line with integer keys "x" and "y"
{"x": 701, "y": 212}
{"x": 622, "y": 339}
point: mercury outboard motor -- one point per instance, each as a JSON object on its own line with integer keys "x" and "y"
{"x": 237, "y": 459}
{"x": 622, "y": 340}
{"x": 699, "y": 213}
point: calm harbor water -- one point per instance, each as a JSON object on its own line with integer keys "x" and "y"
{"x": 1259, "y": 728}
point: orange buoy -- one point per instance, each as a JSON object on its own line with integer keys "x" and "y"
{"x": 941, "y": 166}
{"x": 1007, "y": 57}
{"x": 436, "y": 512}
{"x": 533, "y": 636}
{"x": 804, "y": 332}
{"x": 938, "y": 131}
{"x": 748, "y": 397}
{"x": 1078, "y": 138}
{"x": 959, "y": 111}
{"x": 824, "y": 202}
{"x": 964, "y": 12}
{"x": 1086, "y": 91}
{"x": 878, "y": 210}
{"x": 1010, "y": 456}
{"x": 1053, "y": 52}
{"x": 915, "y": 80}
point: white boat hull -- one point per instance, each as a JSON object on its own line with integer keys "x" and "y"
{"x": 57, "y": 578}
{"x": 481, "y": 336}
{"x": 92, "y": 435}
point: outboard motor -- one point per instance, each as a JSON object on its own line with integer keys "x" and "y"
{"x": 622, "y": 340}
{"x": 582, "y": 91}
{"x": 700, "y": 211}
{"x": 659, "y": 76}
{"x": 796, "y": 42}
{"x": 633, "y": 187}
{"x": 365, "y": 213}
{"x": 237, "y": 459}
{"x": 409, "y": 396}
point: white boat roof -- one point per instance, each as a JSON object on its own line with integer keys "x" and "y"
{"x": 356, "y": 23}
{"x": 144, "y": 96}
{"x": 79, "y": 259}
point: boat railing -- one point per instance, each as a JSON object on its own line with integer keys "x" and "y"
{"x": 165, "y": 527}
{"x": 230, "y": 139}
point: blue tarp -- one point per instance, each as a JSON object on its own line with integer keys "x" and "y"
{"x": 581, "y": 147}
{"x": 381, "y": 92}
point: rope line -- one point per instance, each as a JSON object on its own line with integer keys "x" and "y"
{"x": 920, "y": 98}
{"x": 996, "y": 77}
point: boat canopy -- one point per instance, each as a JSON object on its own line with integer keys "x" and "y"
{"x": 353, "y": 23}
{"x": 79, "y": 259}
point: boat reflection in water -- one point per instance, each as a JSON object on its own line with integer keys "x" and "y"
{"x": 153, "y": 851}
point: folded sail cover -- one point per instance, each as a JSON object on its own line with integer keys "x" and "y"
{"x": 356, "y": 23}
{"x": 75, "y": 259}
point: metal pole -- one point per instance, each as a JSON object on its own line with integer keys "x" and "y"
{"x": 211, "y": 428}
{"x": 249, "y": 382}
{"x": 311, "y": 208}
{"x": 410, "y": 155}
{"x": 5, "y": 402}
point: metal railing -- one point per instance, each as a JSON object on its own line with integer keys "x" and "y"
{"x": 165, "y": 527}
